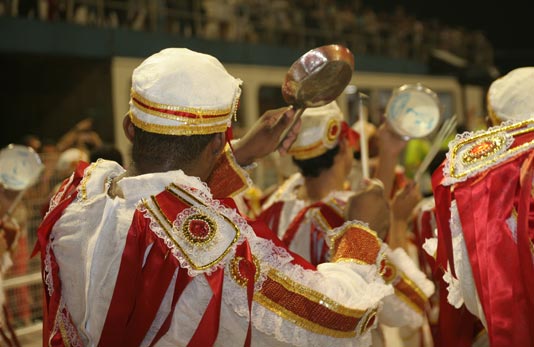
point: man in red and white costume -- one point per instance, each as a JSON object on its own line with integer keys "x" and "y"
{"x": 311, "y": 210}
{"x": 483, "y": 195}
{"x": 158, "y": 255}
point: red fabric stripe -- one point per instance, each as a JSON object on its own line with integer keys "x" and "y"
{"x": 292, "y": 229}
{"x": 182, "y": 281}
{"x": 51, "y": 303}
{"x": 271, "y": 216}
{"x": 262, "y": 230}
{"x": 208, "y": 329}
{"x": 129, "y": 280}
{"x": 156, "y": 276}
{"x": 178, "y": 113}
{"x": 442, "y": 195}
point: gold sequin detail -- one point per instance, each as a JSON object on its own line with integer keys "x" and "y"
{"x": 307, "y": 308}
{"x": 483, "y": 149}
{"x": 410, "y": 293}
{"x": 357, "y": 243}
{"x": 512, "y": 131}
{"x": 194, "y": 110}
{"x": 166, "y": 225}
{"x": 235, "y": 273}
{"x": 200, "y": 220}
{"x": 85, "y": 179}
{"x": 186, "y": 129}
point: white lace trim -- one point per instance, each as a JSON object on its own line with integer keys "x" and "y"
{"x": 72, "y": 332}
{"x": 454, "y": 296}
{"x": 455, "y": 223}
{"x": 431, "y": 246}
{"x": 509, "y": 139}
{"x": 48, "y": 270}
{"x": 462, "y": 290}
{"x": 269, "y": 257}
{"x": 62, "y": 319}
{"x": 56, "y": 199}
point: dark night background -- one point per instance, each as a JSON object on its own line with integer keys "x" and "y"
{"x": 507, "y": 24}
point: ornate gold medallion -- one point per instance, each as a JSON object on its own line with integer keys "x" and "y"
{"x": 199, "y": 228}
{"x": 483, "y": 149}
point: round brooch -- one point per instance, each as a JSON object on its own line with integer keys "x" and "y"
{"x": 199, "y": 228}
{"x": 387, "y": 271}
{"x": 332, "y": 131}
{"x": 483, "y": 149}
{"x": 239, "y": 267}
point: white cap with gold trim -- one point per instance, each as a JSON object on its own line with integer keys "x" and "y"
{"x": 511, "y": 97}
{"x": 319, "y": 131}
{"x": 181, "y": 92}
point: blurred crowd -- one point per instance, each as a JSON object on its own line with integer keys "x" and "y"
{"x": 301, "y": 23}
{"x": 59, "y": 159}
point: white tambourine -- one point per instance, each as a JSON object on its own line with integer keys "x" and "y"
{"x": 20, "y": 167}
{"x": 413, "y": 111}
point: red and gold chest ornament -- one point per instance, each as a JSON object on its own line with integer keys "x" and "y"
{"x": 473, "y": 153}
{"x": 199, "y": 228}
{"x": 198, "y": 235}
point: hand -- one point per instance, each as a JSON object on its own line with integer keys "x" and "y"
{"x": 370, "y": 206}
{"x": 9, "y": 230}
{"x": 3, "y": 243}
{"x": 84, "y": 125}
{"x": 405, "y": 201}
{"x": 389, "y": 142}
{"x": 264, "y": 136}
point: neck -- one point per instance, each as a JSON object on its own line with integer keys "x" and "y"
{"x": 192, "y": 169}
{"x": 317, "y": 188}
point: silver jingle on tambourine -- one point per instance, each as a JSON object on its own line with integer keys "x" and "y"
{"x": 20, "y": 167}
{"x": 413, "y": 111}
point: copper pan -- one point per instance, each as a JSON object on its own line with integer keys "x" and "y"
{"x": 317, "y": 78}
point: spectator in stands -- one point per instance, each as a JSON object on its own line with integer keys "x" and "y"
{"x": 108, "y": 152}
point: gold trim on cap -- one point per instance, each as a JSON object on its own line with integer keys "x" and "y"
{"x": 307, "y": 152}
{"x": 185, "y": 129}
{"x": 186, "y": 117}
{"x": 194, "y": 110}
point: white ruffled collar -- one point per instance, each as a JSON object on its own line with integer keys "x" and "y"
{"x": 135, "y": 188}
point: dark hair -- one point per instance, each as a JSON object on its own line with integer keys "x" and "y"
{"x": 314, "y": 166}
{"x": 108, "y": 152}
{"x": 177, "y": 151}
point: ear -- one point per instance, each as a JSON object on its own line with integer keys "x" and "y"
{"x": 343, "y": 145}
{"x": 128, "y": 127}
{"x": 217, "y": 144}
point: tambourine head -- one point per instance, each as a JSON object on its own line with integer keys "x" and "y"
{"x": 413, "y": 111}
{"x": 20, "y": 167}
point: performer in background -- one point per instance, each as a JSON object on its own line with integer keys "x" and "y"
{"x": 483, "y": 195}
{"x": 312, "y": 207}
